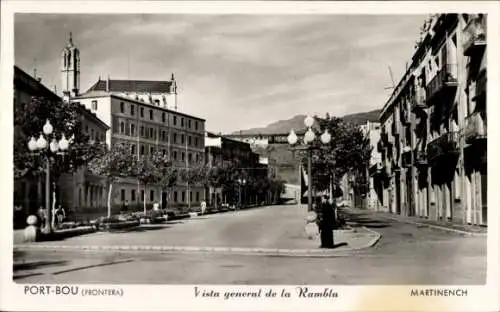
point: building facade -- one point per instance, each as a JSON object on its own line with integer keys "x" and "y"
{"x": 433, "y": 136}
{"x": 220, "y": 150}
{"x": 79, "y": 192}
{"x": 140, "y": 114}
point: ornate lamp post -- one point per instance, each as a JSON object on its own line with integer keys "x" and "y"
{"x": 41, "y": 147}
{"x": 309, "y": 138}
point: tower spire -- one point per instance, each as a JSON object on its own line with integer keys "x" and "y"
{"x": 70, "y": 38}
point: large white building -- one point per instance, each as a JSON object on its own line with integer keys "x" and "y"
{"x": 143, "y": 115}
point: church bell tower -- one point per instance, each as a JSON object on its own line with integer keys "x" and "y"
{"x": 70, "y": 69}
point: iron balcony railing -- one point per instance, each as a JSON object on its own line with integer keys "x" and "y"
{"x": 445, "y": 78}
{"x": 474, "y": 36}
{"x": 445, "y": 144}
{"x": 475, "y": 128}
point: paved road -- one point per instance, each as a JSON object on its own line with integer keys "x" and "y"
{"x": 405, "y": 254}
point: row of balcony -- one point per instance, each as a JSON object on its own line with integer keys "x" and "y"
{"x": 474, "y": 36}
{"x": 446, "y": 144}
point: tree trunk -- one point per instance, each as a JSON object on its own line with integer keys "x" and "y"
{"x": 109, "y": 198}
{"x": 145, "y": 198}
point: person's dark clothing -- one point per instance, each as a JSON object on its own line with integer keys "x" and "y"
{"x": 327, "y": 225}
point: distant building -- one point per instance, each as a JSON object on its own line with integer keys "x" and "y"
{"x": 81, "y": 192}
{"x": 142, "y": 115}
{"x": 220, "y": 150}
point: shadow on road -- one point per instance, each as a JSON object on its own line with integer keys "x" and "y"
{"x": 140, "y": 229}
{"x": 361, "y": 219}
{"x": 37, "y": 264}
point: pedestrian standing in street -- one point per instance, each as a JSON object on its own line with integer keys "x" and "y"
{"x": 42, "y": 217}
{"x": 60, "y": 215}
{"x": 327, "y": 223}
{"x": 203, "y": 207}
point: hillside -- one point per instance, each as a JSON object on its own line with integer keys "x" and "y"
{"x": 297, "y": 123}
{"x": 287, "y": 163}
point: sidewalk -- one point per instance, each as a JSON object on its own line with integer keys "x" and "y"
{"x": 462, "y": 229}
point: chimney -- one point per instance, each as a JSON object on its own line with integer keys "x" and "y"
{"x": 107, "y": 84}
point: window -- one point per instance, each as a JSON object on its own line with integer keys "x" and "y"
{"x": 122, "y": 107}
{"x": 94, "y": 105}
{"x": 189, "y": 123}
{"x": 163, "y": 117}
{"x": 150, "y": 114}
{"x": 175, "y": 155}
{"x": 196, "y": 125}
{"x": 87, "y": 129}
{"x": 182, "y": 122}
{"x": 190, "y": 196}
{"x": 182, "y": 138}
{"x": 142, "y": 195}
{"x": 132, "y": 149}
{"x": 132, "y": 110}
{"x": 151, "y": 133}
{"x": 142, "y": 130}
{"x": 122, "y": 127}
{"x": 175, "y": 137}
{"x": 142, "y": 112}
{"x": 175, "y": 120}
{"x": 183, "y": 196}
{"x": 151, "y": 195}
{"x": 142, "y": 149}
{"x": 183, "y": 156}
{"x": 163, "y": 135}
{"x": 190, "y": 157}
{"x": 157, "y": 102}
{"x": 123, "y": 194}
{"x": 196, "y": 142}
{"x": 132, "y": 195}
{"x": 91, "y": 134}
{"x": 151, "y": 150}
{"x": 197, "y": 196}
{"x": 132, "y": 129}
{"x": 163, "y": 151}
{"x": 175, "y": 196}
{"x": 189, "y": 140}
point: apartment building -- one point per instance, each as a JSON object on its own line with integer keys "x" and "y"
{"x": 142, "y": 115}
{"x": 433, "y": 133}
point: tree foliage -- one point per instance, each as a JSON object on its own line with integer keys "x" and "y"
{"x": 65, "y": 118}
{"x": 348, "y": 151}
{"x": 115, "y": 163}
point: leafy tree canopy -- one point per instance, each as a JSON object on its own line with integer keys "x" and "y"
{"x": 348, "y": 151}
{"x": 66, "y": 119}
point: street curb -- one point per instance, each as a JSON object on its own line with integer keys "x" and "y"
{"x": 438, "y": 227}
{"x": 278, "y": 252}
{"x": 374, "y": 241}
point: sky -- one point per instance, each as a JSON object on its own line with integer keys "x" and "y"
{"x": 235, "y": 71}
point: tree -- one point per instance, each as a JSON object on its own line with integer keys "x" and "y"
{"x": 191, "y": 176}
{"x": 114, "y": 164}
{"x": 29, "y": 120}
{"x": 166, "y": 173}
{"x": 348, "y": 151}
{"x": 145, "y": 170}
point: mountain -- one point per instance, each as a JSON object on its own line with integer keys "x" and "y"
{"x": 297, "y": 123}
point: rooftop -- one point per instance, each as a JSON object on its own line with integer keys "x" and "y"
{"x": 139, "y": 86}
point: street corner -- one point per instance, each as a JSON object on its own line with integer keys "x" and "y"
{"x": 356, "y": 238}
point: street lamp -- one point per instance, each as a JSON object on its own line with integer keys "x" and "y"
{"x": 309, "y": 138}
{"x": 240, "y": 182}
{"x": 41, "y": 147}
